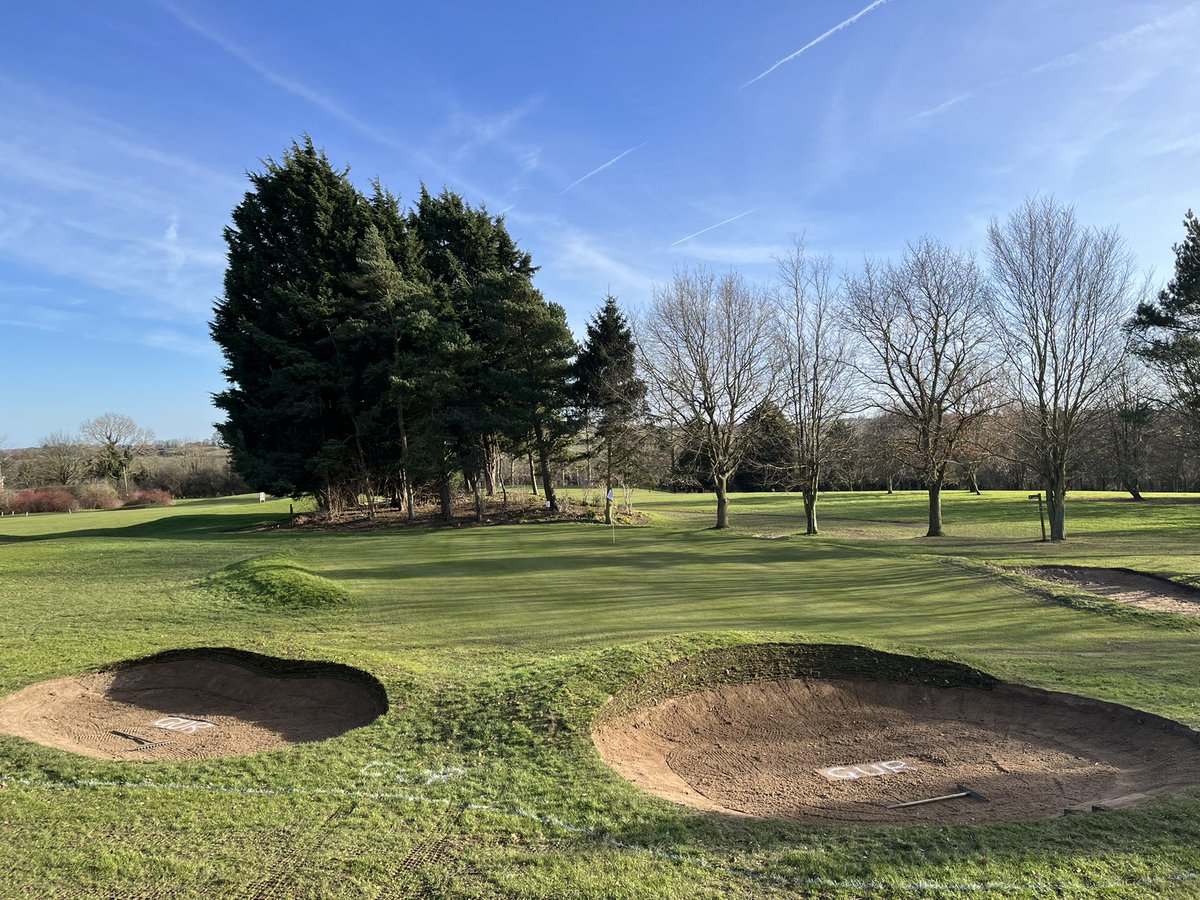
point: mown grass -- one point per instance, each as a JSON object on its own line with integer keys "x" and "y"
{"x": 497, "y": 647}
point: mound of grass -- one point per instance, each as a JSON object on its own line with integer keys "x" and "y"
{"x": 276, "y": 580}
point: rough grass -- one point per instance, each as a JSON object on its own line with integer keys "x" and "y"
{"x": 498, "y": 646}
{"x": 275, "y": 580}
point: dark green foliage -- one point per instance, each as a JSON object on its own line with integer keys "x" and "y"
{"x": 1169, "y": 327}
{"x": 769, "y": 463}
{"x": 371, "y": 351}
{"x": 289, "y": 406}
{"x": 610, "y": 395}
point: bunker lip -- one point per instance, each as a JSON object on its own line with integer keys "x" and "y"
{"x": 843, "y": 748}
{"x": 194, "y": 704}
{"x": 1124, "y": 585}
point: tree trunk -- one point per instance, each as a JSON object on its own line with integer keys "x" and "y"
{"x": 478, "y": 503}
{"x": 722, "y": 486}
{"x": 810, "y": 514}
{"x": 974, "y": 483}
{"x": 444, "y": 496}
{"x": 935, "y": 510}
{"x": 1056, "y": 496}
{"x": 532, "y": 477}
{"x": 810, "y": 488}
{"x": 489, "y": 472}
{"x": 890, "y": 480}
{"x": 544, "y": 465}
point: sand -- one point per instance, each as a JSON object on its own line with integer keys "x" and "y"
{"x": 203, "y": 705}
{"x": 755, "y": 749}
{"x": 1124, "y": 585}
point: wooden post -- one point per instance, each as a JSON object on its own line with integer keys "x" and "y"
{"x": 1041, "y": 513}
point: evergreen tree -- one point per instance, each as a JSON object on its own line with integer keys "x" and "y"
{"x": 610, "y": 395}
{"x": 292, "y": 243}
{"x": 483, "y": 279}
{"x": 1169, "y": 327}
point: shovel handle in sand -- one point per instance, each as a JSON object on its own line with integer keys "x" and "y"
{"x": 963, "y": 791}
{"x": 143, "y": 743}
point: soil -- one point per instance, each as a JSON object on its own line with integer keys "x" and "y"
{"x": 520, "y": 509}
{"x": 1124, "y": 585}
{"x": 755, "y": 749}
{"x": 251, "y": 707}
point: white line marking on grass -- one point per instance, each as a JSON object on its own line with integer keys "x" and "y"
{"x": 964, "y": 887}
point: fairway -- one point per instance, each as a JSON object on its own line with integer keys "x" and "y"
{"x": 498, "y": 646}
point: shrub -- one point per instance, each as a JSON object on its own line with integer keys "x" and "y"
{"x": 98, "y": 495}
{"x": 149, "y": 497}
{"x": 38, "y": 501}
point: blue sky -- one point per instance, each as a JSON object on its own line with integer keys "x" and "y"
{"x": 615, "y": 137}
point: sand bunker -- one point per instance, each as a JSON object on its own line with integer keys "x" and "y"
{"x": 192, "y": 704}
{"x": 1125, "y": 585}
{"x": 757, "y": 749}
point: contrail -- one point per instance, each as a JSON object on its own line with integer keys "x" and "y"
{"x": 832, "y": 31}
{"x": 599, "y": 169}
{"x": 718, "y": 225}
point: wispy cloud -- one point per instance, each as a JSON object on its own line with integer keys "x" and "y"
{"x": 601, "y": 168}
{"x": 830, "y": 33}
{"x": 1119, "y": 41}
{"x": 291, "y": 85}
{"x": 711, "y": 227}
{"x": 324, "y": 102}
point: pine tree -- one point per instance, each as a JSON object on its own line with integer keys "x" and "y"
{"x": 292, "y": 243}
{"x": 1169, "y": 327}
{"x": 610, "y": 394}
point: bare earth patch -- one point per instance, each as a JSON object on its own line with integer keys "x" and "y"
{"x": 1124, "y": 585}
{"x": 194, "y": 704}
{"x": 756, "y": 749}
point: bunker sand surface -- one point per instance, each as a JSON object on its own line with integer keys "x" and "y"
{"x": 205, "y": 704}
{"x": 1124, "y": 585}
{"x": 755, "y": 749}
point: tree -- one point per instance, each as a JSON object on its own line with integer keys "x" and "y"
{"x": 1060, "y": 292}
{"x": 706, "y": 351}
{"x": 290, "y": 404}
{"x": 119, "y": 440}
{"x": 1168, "y": 328}
{"x": 611, "y": 396}
{"x": 817, "y": 374}
{"x": 885, "y": 440}
{"x": 61, "y": 457}
{"x": 926, "y": 352}
{"x": 483, "y": 280}
{"x": 534, "y": 377}
{"x": 769, "y": 463}
{"x": 403, "y": 319}
{"x": 1131, "y": 410}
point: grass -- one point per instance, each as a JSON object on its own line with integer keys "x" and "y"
{"x": 498, "y": 646}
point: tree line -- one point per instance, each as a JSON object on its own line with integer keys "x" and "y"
{"x": 373, "y": 351}
{"x": 377, "y": 352}
{"x": 110, "y": 457}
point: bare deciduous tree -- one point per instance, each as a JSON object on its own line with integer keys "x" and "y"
{"x": 61, "y": 458}
{"x": 705, "y": 346}
{"x": 1060, "y": 294}
{"x": 120, "y": 440}
{"x": 1131, "y": 403}
{"x": 816, "y": 372}
{"x": 927, "y": 352}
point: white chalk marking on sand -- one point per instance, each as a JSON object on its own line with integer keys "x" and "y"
{"x": 179, "y": 723}
{"x": 962, "y": 887}
{"x": 866, "y": 770}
